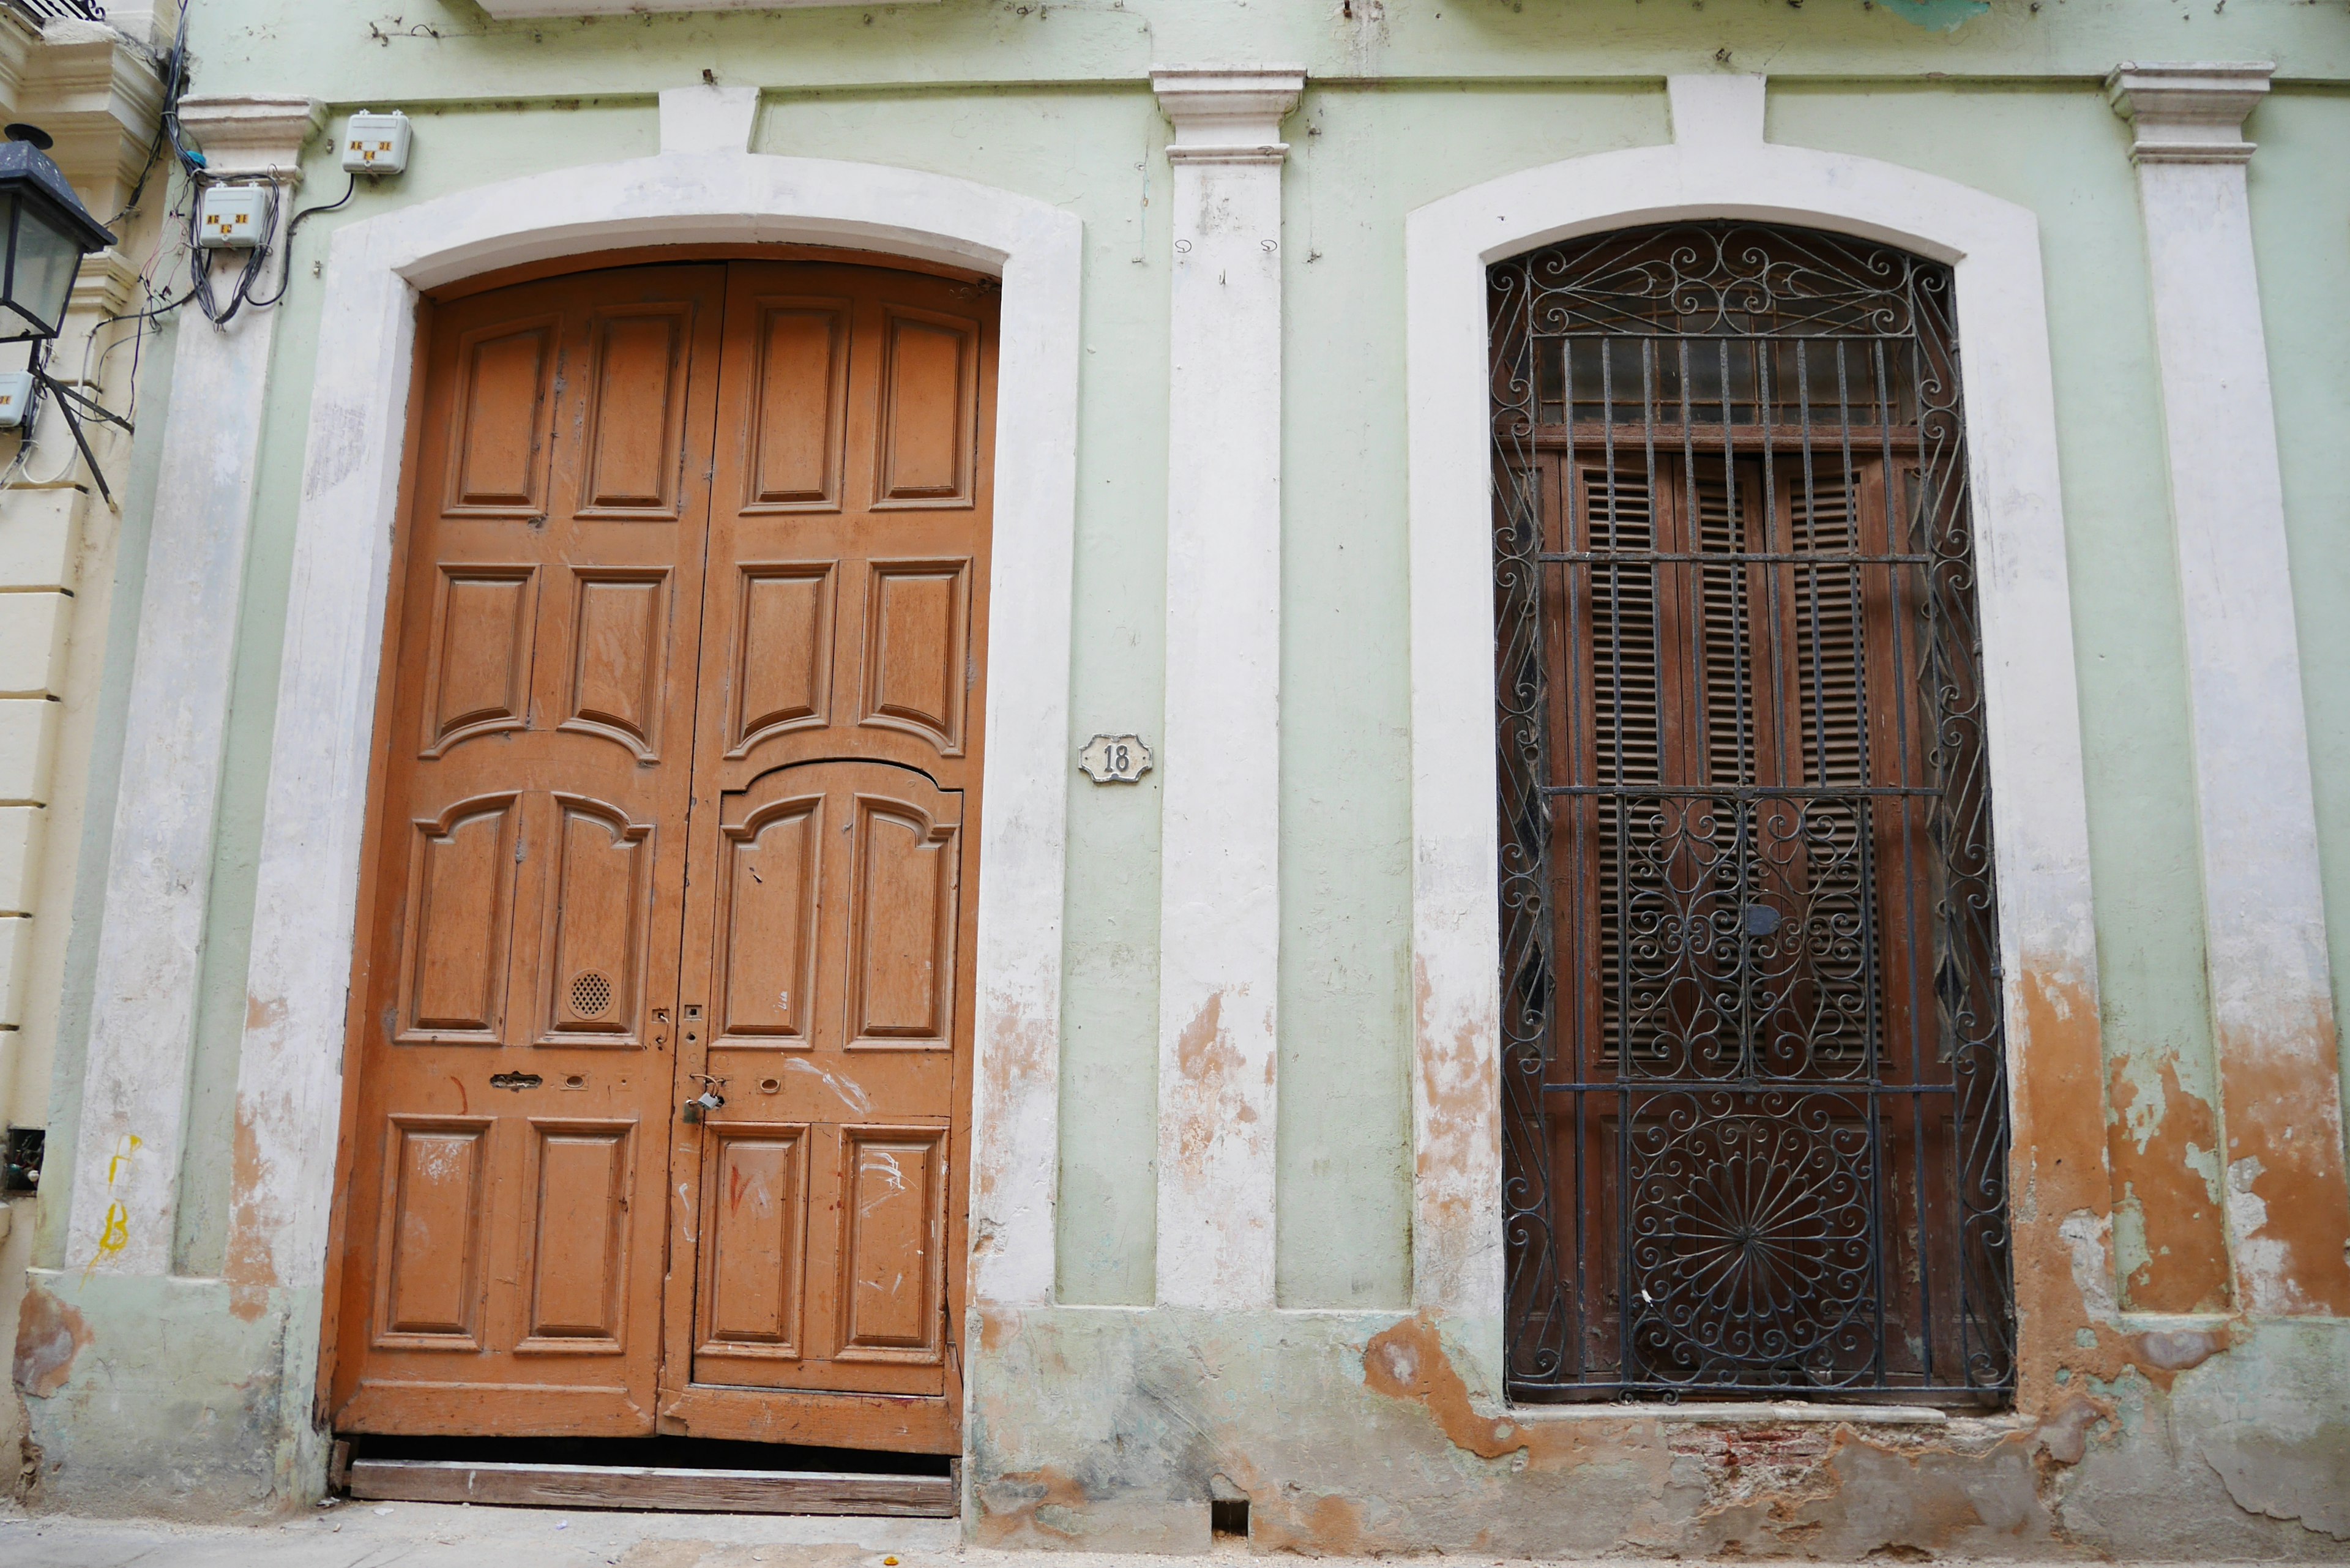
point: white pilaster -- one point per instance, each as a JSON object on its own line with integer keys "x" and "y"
{"x": 159, "y": 871}
{"x": 1220, "y": 870}
{"x": 2264, "y": 912}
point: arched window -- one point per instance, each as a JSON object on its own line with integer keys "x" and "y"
{"x": 1754, "y": 1102}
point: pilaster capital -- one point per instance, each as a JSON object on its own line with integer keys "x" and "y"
{"x": 252, "y": 135}
{"x": 2188, "y": 113}
{"x": 1227, "y": 114}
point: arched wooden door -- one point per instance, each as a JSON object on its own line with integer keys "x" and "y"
{"x": 679, "y": 795}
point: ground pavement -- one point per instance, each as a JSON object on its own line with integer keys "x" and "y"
{"x": 433, "y": 1535}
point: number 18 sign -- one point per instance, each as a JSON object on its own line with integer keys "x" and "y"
{"x": 1114, "y": 759}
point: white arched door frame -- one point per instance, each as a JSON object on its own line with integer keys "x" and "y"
{"x": 1718, "y": 166}
{"x": 289, "y": 1081}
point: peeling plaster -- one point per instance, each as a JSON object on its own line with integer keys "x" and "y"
{"x": 1110, "y": 1430}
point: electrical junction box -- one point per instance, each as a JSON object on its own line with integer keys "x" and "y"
{"x": 15, "y": 396}
{"x": 231, "y": 217}
{"x": 375, "y": 143}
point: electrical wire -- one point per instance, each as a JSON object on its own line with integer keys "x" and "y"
{"x": 204, "y": 274}
{"x": 172, "y": 67}
{"x": 285, "y": 272}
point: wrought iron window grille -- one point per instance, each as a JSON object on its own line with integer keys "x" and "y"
{"x": 1753, "y": 1077}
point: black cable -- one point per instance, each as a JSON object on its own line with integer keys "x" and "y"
{"x": 174, "y": 65}
{"x": 201, "y": 267}
{"x": 285, "y": 272}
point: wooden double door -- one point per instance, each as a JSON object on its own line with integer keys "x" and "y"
{"x": 676, "y": 796}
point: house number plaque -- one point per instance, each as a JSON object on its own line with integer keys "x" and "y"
{"x": 1114, "y": 759}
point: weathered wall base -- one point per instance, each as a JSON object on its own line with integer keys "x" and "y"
{"x": 1107, "y": 1429}
{"x": 153, "y": 1397}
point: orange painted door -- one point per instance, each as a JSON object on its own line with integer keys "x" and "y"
{"x": 503, "y": 1219}
{"x": 830, "y": 914}
{"x": 680, "y": 792}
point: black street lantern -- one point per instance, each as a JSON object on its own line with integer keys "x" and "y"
{"x": 45, "y": 231}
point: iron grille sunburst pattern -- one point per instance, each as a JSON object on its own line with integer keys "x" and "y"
{"x": 1755, "y": 1097}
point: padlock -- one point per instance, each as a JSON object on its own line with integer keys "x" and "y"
{"x": 709, "y": 1100}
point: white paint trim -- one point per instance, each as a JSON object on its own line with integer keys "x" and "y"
{"x": 707, "y": 118}
{"x": 1724, "y": 111}
{"x": 288, "y": 1081}
{"x": 1220, "y": 801}
{"x": 159, "y": 872}
{"x": 2263, "y": 907}
{"x": 2034, "y": 734}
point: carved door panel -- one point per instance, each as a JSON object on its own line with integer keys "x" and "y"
{"x": 519, "y": 962}
{"x": 826, "y": 977}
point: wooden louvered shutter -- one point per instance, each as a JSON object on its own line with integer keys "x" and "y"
{"x": 1824, "y": 513}
{"x": 1617, "y": 710}
{"x": 1708, "y": 653}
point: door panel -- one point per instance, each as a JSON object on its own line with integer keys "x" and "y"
{"x": 683, "y": 684}
{"x": 531, "y": 859}
{"x": 580, "y": 1236}
{"x": 830, "y": 910}
{"x": 754, "y": 1244}
{"x": 432, "y": 1233}
{"x": 834, "y": 911}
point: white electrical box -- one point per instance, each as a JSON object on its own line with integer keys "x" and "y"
{"x": 231, "y": 217}
{"x": 375, "y": 143}
{"x": 15, "y": 396}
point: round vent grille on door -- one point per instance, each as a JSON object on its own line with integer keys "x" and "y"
{"x": 591, "y": 994}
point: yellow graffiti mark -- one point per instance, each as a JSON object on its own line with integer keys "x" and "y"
{"x": 111, "y": 1237}
{"x": 115, "y": 1233}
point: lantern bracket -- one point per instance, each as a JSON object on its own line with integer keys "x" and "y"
{"x": 76, "y": 405}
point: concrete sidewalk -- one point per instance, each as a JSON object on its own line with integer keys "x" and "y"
{"x": 431, "y": 1535}
{"x": 437, "y": 1535}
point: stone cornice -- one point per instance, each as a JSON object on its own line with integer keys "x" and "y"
{"x": 1227, "y": 114}
{"x": 2188, "y": 113}
{"x": 19, "y": 38}
{"x": 105, "y": 283}
{"x": 252, "y": 135}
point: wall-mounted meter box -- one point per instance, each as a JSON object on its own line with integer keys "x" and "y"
{"x": 375, "y": 143}
{"x": 231, "y": 217}
{"x": 15, "y": 397}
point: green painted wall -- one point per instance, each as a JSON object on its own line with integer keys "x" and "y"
{"x": 1410, "y": 101}
{"x": 2300, "y": 239}
{"x": 439, "y": 50}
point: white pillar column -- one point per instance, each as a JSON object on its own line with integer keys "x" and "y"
{"x": 2263, "y": 911}
{"x": 1220, "y": 855}
{"x": 159, "y": 863}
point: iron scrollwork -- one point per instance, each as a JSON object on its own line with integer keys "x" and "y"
{"x": 1755, "y": 1095}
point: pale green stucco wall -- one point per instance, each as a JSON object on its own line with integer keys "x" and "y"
{"x": 1408, "y": 99}
{"x": 2300, "y": 236}
{"x": 1409, "y": 102}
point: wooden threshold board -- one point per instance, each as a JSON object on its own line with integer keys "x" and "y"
{"x": 653, "y": 1487}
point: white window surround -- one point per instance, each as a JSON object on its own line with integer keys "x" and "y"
{"x": 1718, "y": 167}
{"x": 289, "y": 1088}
